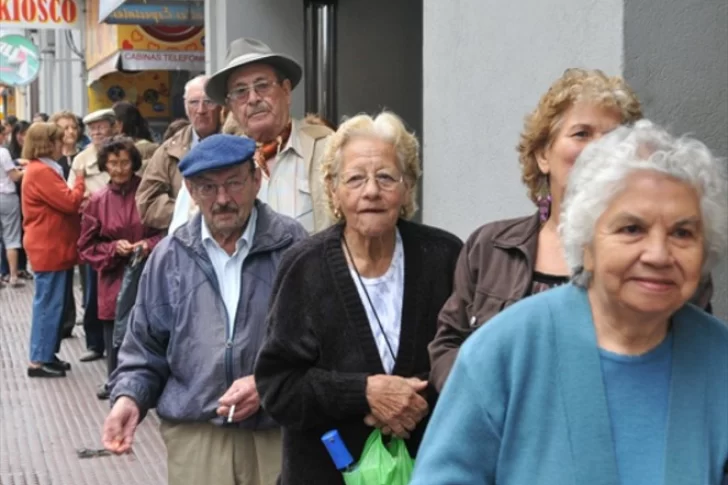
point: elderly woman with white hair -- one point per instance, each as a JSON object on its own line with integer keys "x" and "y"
{"x": 355, "y": 306}
{"x": 614, "y": 379}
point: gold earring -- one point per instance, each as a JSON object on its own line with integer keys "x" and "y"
{"x": 337, "y": 213}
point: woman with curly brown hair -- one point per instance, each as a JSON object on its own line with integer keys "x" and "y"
{"x": 505, "y": 261}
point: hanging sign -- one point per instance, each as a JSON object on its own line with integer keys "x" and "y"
{"x": 41, "y": 14}
{"x": 19, "y": 60}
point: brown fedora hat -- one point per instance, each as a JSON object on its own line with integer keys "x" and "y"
{"x": 246, "y": 51}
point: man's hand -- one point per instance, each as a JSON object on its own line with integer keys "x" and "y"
{"x": 396, "y": 403}
{"x": 244, "y": 395}
{"x": 124, "y": 247}
{"x": 120, "y": 426}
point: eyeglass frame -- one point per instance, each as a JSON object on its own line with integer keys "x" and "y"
{"x": 248, "y": 88}
{"x": 196, "y": 103}
{"x": 395, "y": 181}
{"x": 226, "y": 185}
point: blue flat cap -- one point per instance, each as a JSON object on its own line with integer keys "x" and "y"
{"x": 215, "y": 152}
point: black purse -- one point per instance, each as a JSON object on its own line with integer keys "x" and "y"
{"x": 127, "y": 295}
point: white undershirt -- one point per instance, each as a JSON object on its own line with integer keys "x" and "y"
{"x": 386, "y": 293}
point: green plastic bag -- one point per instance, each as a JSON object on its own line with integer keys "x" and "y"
{"x": 382, "y": 465}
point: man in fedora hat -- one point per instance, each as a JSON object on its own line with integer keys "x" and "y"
{"x": 162, "y": 181}
{"x": 256, "y": 85}
{"x": 198, "y": 324}
{"x": 101, "y": 125}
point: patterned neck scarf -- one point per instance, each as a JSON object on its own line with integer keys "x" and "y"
{"x": 268, "y": 151}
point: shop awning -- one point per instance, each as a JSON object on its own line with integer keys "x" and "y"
{"x": 141, "y": 60}
{"x": 152, "y": 12}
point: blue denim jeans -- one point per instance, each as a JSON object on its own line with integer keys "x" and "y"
{"x": 48, "y": 303}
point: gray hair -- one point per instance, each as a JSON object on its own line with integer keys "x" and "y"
{"x": 385, "y": 126}
{"x": 201, "y": 80}
{"x": 602, "y": 169}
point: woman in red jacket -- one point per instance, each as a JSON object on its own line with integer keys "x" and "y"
{"x": 111, "y": 230}
{"x": 51, "y": 225}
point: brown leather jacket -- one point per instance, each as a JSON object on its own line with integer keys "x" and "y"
{"x": 494, "y": 270}
{"x": 162, "y": 180}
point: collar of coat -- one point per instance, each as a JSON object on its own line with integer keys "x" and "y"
{"x": 272, "y": 231}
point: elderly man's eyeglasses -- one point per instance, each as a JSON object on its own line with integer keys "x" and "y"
{"x": 196, "y": 103}
{"x": 383, "y": 180}
{"x": 209, "y": 190}
{"x": 242, "y": 93}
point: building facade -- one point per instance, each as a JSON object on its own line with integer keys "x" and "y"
{"x": 464, "y": 74}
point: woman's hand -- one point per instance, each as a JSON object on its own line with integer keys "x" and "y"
{"x": 124, "y": 247}
{"x": 144, "y": 245}
{"x": 396, "y": 403}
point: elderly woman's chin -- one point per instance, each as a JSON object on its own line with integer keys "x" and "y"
{"x": 652, "y": 297}
{"x": 372, "y": 223}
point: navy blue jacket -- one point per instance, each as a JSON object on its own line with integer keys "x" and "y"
{"x": 178, "y": 354}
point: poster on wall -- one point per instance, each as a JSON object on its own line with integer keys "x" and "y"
{"x": 148, "y": 90}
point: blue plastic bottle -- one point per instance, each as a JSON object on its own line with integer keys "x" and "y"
{"x": 338, "y": 451}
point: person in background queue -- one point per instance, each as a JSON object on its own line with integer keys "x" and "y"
{"x": 133, "y": 124}
{"x": 111, "y": 230}
{"x": 15, "y": 149}
{"x": 68, "y": 122}
{"x": 220, "y": 265}
{"x": 162, "y": 179}
{"x": 40, "y": 117}
{"x": 83, "y": 138}
{"x": 505, "y": 261}
{"x": 51, "y": 226}
{"x": 256, "y": 85}
{"x": 101, "y": 125}
{"x": 614, "y": 378}
{"x": 10, "y": 218}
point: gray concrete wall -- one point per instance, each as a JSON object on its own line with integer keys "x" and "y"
{"x": 379, "y": 58}
{"x": 486, "y": 64}
{"x": 676, "y": 58}
{"x": 278, "y": 23}
{"x": 61, "y": 82}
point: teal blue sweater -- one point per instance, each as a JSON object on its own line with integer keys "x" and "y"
{"x": 525, "y": 403}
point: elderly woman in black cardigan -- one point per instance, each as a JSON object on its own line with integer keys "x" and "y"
{"x": 355, "y": 306}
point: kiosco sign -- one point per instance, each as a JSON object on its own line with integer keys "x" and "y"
{"x": 41, "y": 14}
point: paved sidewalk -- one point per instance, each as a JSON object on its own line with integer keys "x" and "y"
{"x": 44, "y": 421}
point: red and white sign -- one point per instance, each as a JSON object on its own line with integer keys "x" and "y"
{"x": 41, "y": 14}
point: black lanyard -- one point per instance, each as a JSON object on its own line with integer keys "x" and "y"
{"x": 371, "y": 305}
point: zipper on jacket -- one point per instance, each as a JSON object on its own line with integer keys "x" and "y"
{"x": 210, "y": 273}
{"x": 229, "y": 362}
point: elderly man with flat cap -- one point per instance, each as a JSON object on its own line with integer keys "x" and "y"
{"x": 198, "y": 323}
{"x": 101, "y": 125}
{"x": 256, "y": 86}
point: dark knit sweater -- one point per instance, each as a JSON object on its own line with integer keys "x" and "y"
{"x": 311, "y": 373}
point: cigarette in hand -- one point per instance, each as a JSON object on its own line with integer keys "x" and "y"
{"x": 230, "y": 414}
